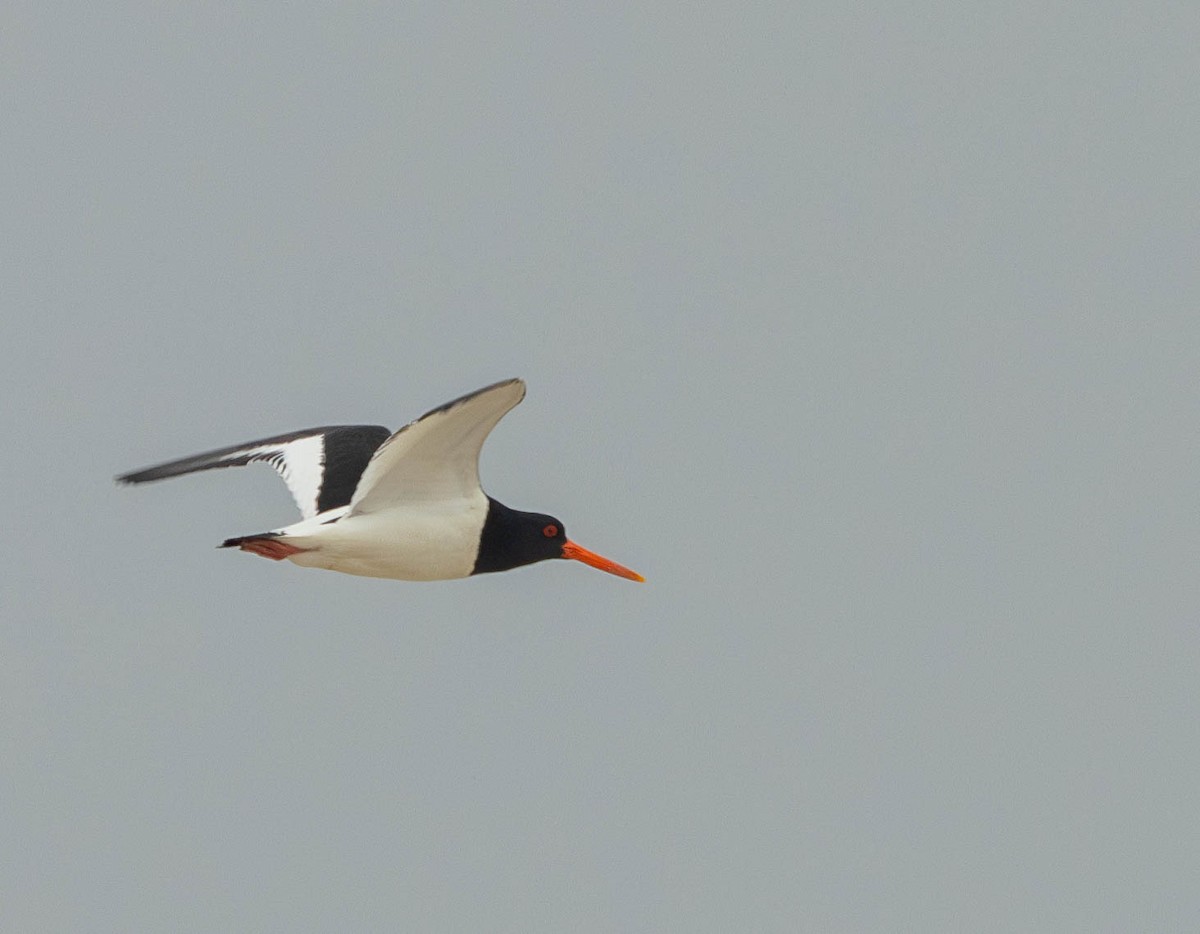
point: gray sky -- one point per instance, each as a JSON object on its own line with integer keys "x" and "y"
{"x": 868, "y": 333}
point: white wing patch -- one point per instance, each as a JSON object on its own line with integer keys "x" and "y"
{"x": 321, "y": 466}
{"x": 435, "y": 458}
{"x": 301, "y": 463}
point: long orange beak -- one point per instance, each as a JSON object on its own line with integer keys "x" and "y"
{"x": 579, "y": 553}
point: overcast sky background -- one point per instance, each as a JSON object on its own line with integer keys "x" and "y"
{"x": 868, "y": 333}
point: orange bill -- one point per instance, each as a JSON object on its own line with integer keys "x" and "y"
{"x": 579, "y": 553}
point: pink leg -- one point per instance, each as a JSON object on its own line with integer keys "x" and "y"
{"x": 271, "y": 548}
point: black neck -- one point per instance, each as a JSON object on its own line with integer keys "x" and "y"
{"x": 512, "y": 538}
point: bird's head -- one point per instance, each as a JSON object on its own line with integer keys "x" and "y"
{"x": 512, "y": 538}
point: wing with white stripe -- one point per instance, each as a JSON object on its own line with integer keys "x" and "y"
{"x": 321, "y": 466}
{"x": 437, "y": 456}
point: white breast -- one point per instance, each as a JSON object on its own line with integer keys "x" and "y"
{"x": 419, "y": 541}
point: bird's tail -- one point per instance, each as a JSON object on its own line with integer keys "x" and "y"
{"x": 266, "y": 544}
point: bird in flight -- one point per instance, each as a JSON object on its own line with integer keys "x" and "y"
{"x": 404, "y": 505}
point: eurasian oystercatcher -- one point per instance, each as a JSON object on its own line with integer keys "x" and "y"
{"x": 406, "y": 505}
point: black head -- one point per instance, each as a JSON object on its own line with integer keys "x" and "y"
{"x": 512, "y": 538}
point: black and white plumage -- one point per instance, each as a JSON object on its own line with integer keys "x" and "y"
{"x": 321, "y": 466}
{"x": 406, "y": 505}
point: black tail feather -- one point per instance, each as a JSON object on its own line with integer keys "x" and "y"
{"x": 236, "y": 542}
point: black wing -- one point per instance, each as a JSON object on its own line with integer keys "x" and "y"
{"x": 321, "y": 466}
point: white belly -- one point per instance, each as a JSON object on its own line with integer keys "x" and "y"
{"x": 416, "y": 542}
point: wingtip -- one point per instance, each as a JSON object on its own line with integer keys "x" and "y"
{"x": 513, "y": 381}
{"x": 145, "y": 475}
{"x": 516, "y": 382}
{"x": 491, "y": 387}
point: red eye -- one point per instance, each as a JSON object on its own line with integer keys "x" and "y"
{"x": 550, "y": 531}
